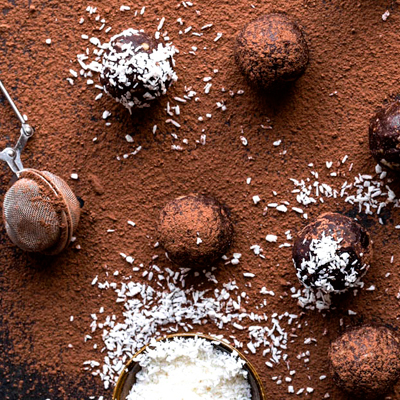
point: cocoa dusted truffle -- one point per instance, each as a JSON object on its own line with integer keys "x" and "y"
{"x": 271, "y": 50}
{"x": 384, "y": 136}
{"x": 332, "y": 254}
{"x": 136, "y": 68}
{"x": 366, "y": 361}
{"x": 194, "y": 230}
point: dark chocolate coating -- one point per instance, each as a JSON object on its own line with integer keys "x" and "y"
{"x": 271, "y": 50}
{"x": 187, "y": 218}
{"x": 142, "y": 43}
{"x": 146, "y": 44}
{"x": 355, "y": 242}
{"x": 384, "y": 135}
{"x": 366, "y": 361}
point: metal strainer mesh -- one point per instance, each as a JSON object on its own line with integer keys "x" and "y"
{"x": 30, "y": 218}
{"x": 40, "y": 212}
{"x": 69, "y": 197}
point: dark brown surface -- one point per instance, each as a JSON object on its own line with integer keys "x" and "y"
{"x": 271, "y": 50}
{"x": 353, "y": 57}
{"x": 366, "y": 361}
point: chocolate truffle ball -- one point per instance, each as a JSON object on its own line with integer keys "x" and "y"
{"x": 194, "y": 230}
{"x": 384, "y": 136}
{"x": 366, "y": 361}
{"x": 332, "y": 254}
{"x": 271, "y": 50}
{"x": 136, "y": 68}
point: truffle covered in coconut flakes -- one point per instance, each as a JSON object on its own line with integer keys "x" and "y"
{"x": 137, "y": 69}
{"x": 332, "y": 254}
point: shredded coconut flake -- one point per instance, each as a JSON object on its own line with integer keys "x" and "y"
{"x": 192, "y": 369}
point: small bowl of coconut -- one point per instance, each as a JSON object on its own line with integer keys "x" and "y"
{"x": 188, "y": 367}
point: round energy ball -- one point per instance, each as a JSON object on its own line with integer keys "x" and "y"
{"x": 366, "y": 361}
{"x": 194, "y": 230}
{"x": 332, "y": 254}
{"x": 384, "y": 135}
{"x": 136, "y": 68}
{"x": 271, "y": 50}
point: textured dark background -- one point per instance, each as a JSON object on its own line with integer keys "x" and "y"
{"x": 353, "y": 52}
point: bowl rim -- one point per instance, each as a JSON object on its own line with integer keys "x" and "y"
{"x": 124, "y": 374}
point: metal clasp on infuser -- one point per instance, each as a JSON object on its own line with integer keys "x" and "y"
{"x": 12, "y": 155}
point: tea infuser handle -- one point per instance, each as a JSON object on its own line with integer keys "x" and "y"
{"x": 12, "y": 156}
{"x": 10, "y": 100}
{"x": 13, "y": 159}
{"x": 25, "y": 133}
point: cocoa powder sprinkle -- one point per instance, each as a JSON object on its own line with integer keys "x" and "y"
{"x": 322, "y": 118}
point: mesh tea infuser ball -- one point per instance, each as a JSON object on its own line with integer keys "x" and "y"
{"x": 40, "y": 211}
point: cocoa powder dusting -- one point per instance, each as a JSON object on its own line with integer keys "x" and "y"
{"x": 226, "y": 141}
{"x": 272, "y": 50}
{"x": 366, "y": 361}
{"x": 195, "y": 230}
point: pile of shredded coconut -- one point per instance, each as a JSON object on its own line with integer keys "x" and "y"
{"x": 189, "y": 368}
{"x": 151, "y": 313}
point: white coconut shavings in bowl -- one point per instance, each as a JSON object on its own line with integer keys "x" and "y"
{"x": 189, "y": 368}
{"x": 154, "y": 70}
{"x": 150, "y": 313}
